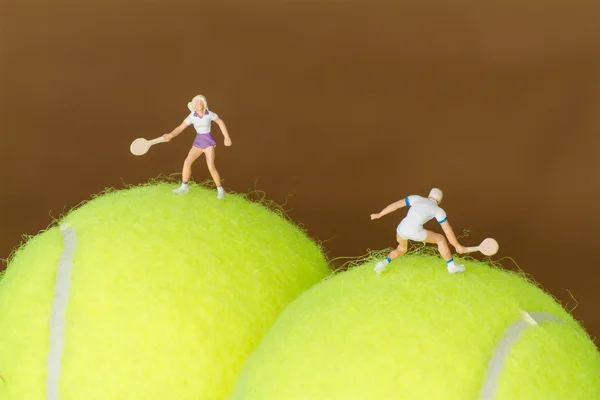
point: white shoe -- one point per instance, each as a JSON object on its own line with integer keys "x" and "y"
{"x": 181, "y": 189}
{"x": 220, "y": 193}
{"x": 454, "y": 268}
{"x": 381, "y": 266}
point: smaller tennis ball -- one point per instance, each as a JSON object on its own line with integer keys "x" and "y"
{"x": 418, "y": 332}
{"x": 144, "y": 294}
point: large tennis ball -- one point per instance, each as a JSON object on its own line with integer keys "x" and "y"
{"x": 143, "y": 294}
{"x": 419, "y": 333}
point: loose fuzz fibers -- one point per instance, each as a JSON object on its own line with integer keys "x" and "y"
{"x": 417, "y": 332}
{"x": 143, "y": 294}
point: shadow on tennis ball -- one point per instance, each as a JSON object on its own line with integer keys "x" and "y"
{"x": 158, "y": 296}
{"x": 418, "y": 332}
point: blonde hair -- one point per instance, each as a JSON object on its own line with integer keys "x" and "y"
{"x": 436, "y": 194}
{"x": 196, "y": 98}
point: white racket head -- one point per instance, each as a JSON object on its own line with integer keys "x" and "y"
{"x": 139, "y": 147}
{"x": 489, "y": 247}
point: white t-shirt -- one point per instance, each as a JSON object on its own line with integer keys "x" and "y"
{"x": 201, "y": 123}
{"x": 423, "y": 210}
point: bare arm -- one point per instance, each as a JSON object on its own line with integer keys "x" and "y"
{"x": 391, "y": 208}
{"x": 175, "y": 132}
{"x": 221, "y": 124}
{"x": 452, "y": 237}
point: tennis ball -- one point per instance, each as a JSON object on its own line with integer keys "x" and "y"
{"x": 144, "y": 294}
{"x": 417, "y": 332}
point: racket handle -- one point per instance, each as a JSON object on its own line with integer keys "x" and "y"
{"x": 159, "y": 139}
{"x": 471, "y": 249}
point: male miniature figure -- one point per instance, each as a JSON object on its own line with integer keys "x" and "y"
{"x": 421, "y": 210}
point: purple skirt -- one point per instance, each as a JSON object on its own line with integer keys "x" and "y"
{"x": 204, "y": 140}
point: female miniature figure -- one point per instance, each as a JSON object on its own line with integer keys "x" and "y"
{"x": 201, "y": 117}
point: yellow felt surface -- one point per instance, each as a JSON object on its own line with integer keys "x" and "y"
{"x": 169, "y": 294}
{"x": 418, "y": 333}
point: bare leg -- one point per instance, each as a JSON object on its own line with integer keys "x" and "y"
{"x": 210, "y": 162}
{"x": 441, "y": 242}
{"x": 394, "y": 254}
{"x": 192, "y": 156}
{"x": 444, "y": 250}
{"x": 400, "y": 250}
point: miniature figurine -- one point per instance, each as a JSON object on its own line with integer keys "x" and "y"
{"x": 201, "y": 117}
{"x": 420, "y": 212}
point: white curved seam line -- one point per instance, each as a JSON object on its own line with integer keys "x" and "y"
{"x": 56, "y": 337}
{"x": 496, "y": 364}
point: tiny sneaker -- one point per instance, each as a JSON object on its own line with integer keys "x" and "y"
{"x": 380, "y": 266}
{"x": 454, "y": 268}
{"x": 181, "y": 189}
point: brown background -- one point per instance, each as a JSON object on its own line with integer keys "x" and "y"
{"x": 338, "y": 108}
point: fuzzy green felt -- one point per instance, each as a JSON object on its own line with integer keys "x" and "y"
{"x": 167, "y": 295}
{"x": 417, "y": 332}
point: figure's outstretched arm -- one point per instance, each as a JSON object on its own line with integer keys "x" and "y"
{"x": 221, "y": 124}
{"x": 391, "y": 208}
{"x": 451, "y": 236}
{"x": 175, "y": 132}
